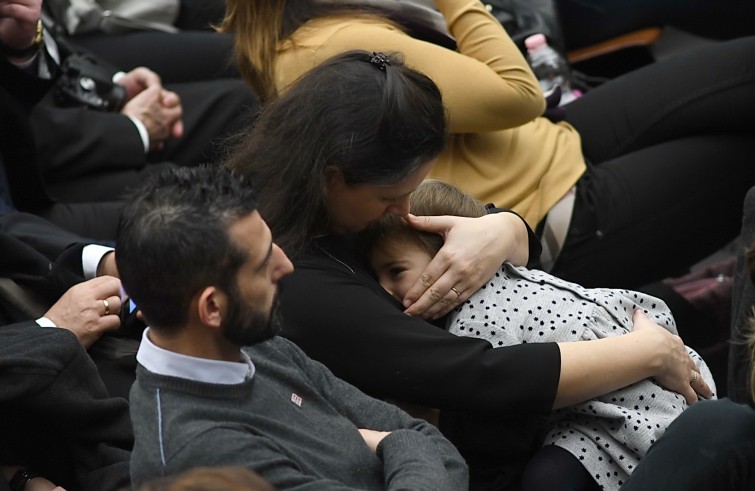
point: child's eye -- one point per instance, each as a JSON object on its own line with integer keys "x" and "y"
{"x": 396, "y": 271}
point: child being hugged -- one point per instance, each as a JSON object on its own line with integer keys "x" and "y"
{"x": 607, "y": 435}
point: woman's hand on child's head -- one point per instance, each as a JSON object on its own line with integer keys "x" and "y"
{"x": 676, "y": 370}
{"x": 474, "y": 248}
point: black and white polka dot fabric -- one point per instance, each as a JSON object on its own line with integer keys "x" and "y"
{"x": 610, "y": 434}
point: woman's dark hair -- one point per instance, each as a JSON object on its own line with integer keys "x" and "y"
{"x": 431, "y": 198}
{"x": 367, "y": 114}
{"x": 173, "y": 239}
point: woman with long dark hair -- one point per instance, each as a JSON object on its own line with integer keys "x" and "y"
{"x": 646, "y": 175}
{"x": 346, "y": 145}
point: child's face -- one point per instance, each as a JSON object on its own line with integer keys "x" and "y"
{"x": 398, "y": 265}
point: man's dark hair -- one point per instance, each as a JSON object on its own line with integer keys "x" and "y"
{"x": 172, "y": 239}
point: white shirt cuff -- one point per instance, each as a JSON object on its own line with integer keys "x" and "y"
{"x": 91, "y": 257}
{"x": 142, "y": 132}
{"x": 45, "y": 322}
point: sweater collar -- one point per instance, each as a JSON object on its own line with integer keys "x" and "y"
{"x": 164, "y": 362}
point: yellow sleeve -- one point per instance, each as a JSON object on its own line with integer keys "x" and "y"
{"x": 487, "y": 85}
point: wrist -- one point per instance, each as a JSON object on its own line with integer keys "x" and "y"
{"x": 107, "y": 266}
{"x": 21, "y": 478}
{"x": 651, "y": 349}
{"x": 21, "y": 54}
{"x": 143, "y": 132}
{"x": 513, "y": 224}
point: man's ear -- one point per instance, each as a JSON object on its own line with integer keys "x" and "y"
{"x": 212, "y": 305}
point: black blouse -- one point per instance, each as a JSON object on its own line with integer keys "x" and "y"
{"x": 335, "y": 310}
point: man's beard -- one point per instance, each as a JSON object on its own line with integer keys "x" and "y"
{"x": 245, "y": 326}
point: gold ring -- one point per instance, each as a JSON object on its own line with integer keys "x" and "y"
{"x": 456, "y": 292}
{"x": 107, "y": 306}
{"x": 694, "y": 377}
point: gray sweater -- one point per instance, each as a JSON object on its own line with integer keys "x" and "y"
{"x": 293, "y": 422}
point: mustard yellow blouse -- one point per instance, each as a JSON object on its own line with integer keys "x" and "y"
{"x": 500, "y": 150}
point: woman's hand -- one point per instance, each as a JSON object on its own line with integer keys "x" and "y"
{"x": 373, "y": 438}
{"x": 676, "y": 371}
{"x": 474, "y": 248}
{"x": 594, "y": 368}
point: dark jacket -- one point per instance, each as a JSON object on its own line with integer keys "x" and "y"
{"x": 55, "y": 413}
{"x": 19, "y": 92}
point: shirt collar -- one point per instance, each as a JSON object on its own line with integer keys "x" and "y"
{"x": 164, "y": 362}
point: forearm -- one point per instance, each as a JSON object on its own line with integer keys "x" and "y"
{"x": 412, "y": 461}
{"x": 593, "y": 368}
{"x": 78, "y": 141}
{"x": 521, "y": 247}
{"x": 480, "y": 36}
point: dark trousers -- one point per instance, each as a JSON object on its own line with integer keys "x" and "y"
{"x": 711, "y": 445}
{"x": 195, "y": 53}
{"x": 671, "y": 152}
{"x": 586, "y": 22}
{"x": 213, "y": 112}
{"x": 187, "y": 56}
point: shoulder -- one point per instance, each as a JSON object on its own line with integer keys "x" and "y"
{"x": 276, "y": 348}
{"x": 320, "y": 39}
{"x": 320, "y": 31}
{"x": 279, "y": 359}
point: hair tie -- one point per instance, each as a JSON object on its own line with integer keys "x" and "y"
{"x": 380, "y": 60}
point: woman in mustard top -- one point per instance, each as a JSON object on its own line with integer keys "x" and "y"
{"x": 657, "y": 161}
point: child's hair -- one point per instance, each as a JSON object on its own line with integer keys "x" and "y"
{"x": 431, "y": 198}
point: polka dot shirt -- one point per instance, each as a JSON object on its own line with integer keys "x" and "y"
{"x": 608, "y": 435}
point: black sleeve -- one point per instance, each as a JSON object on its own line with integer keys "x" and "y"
{"x": 338, "y": 318}
{"x": 57, "y": 414}
{"x": 535, "y": 247}
{"x": 70, "y": 140}
{"x": 40, "y": 256}
{"x": 23, "y": 87}
{"x": 41, "y": 235}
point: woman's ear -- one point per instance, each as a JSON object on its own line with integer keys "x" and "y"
{"x": 333, "y": 178}
{"x": 212, "y": 305}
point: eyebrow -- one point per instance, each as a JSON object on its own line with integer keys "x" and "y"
{"x": 388, "y": 264}
{"x": 266, "y": 260}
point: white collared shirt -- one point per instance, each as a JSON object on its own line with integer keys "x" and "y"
{"x": 172, "y": 364}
